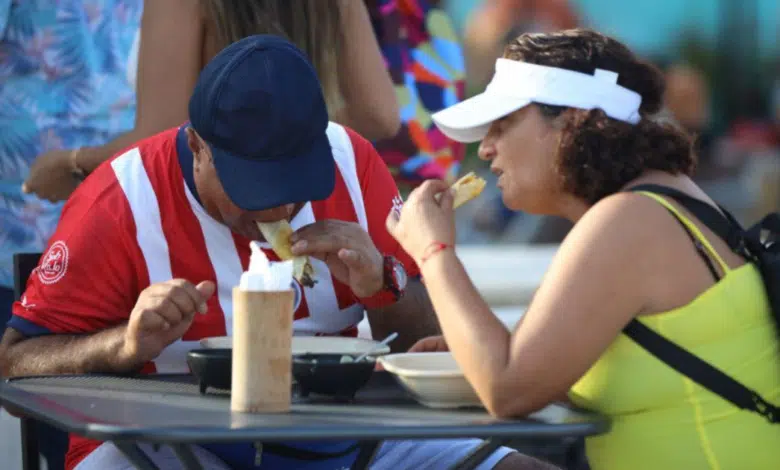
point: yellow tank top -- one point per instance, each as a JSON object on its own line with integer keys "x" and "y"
{"x": 661, "y": 420}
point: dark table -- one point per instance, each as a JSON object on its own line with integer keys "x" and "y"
{"x": 168, "y": 409}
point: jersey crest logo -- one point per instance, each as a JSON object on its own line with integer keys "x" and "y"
{"x": 54, "y": 264}
{"x": 298, "y": 295}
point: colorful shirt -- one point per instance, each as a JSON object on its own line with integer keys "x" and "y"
{"x": 426, "y": 64}
{"x": 137, "y": 221}
{"x": 63, "y": 84}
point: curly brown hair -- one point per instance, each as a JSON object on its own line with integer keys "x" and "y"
{"x": 598, "y": 155}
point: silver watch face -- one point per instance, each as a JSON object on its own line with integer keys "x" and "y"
{"x": 400, "y": 275}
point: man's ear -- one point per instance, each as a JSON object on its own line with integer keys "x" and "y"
{"x": 194, "y": 142}
{"x": 200, "y": 150}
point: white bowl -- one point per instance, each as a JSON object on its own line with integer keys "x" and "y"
{"x": 434, "y": 379}
{"x": 312, "y": 345}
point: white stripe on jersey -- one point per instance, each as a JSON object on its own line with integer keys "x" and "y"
{"x": 131, "y": 174}
{"x": 223, "y": 256}
{"x": 344, "y": 154}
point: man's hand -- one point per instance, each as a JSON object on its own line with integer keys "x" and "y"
{"x": 51, "y": 176}
{"x": 348, "y": 251}
{"x": 430, "y": 344}
{"x": 163, "y": 313}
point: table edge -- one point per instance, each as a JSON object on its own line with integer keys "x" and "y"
{"x": 21, "y": 401}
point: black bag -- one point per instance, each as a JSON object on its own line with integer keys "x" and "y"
{"x": 757, "y": 245}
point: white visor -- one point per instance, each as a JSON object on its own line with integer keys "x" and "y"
{"x": 517, "y": 84}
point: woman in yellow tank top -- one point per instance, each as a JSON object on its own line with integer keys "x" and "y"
{"x": 569, "y": 124}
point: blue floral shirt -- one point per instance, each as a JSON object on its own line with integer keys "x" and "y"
{"x": 63, "y": 84}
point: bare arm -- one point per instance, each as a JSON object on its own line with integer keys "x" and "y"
{"x": 412, "y": 318}
{"x": 163, "y": 313}
{"x": 64, "y": 354}
{"x": 593, "y": 288}
{"x": 370, "y": 103}
{"x": 169, "y": 61}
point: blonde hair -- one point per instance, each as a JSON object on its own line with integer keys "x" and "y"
{"x": 312, "y": 25}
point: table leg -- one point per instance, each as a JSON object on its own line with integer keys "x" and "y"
{"x": 31, "y": 456}
{"x": 136, "y": 456}
{"x": 366, "y": 455}
{"x": 478, "y": 455}
{"x": 187, "y": 457}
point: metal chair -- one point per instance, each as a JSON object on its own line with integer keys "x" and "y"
{"x": 24, "y": 264}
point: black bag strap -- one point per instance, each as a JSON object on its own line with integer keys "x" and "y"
{"x": 719, "y": 220}
{"x": 679, "y": 358}
{"x": 700, "y": 371}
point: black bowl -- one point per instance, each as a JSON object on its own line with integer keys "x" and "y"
{"x": 327, "y": 375}
{"x": 212, "y": 367}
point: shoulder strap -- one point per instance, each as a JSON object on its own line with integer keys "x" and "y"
{"x": 719, "y": 220}
{"x": 700, "y": 371}
{"x": 706, "y": 251}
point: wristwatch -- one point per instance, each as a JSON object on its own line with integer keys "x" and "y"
{"x": 395, "y": 280}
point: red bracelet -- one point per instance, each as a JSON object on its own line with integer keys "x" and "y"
{"x": 432, "y": 249}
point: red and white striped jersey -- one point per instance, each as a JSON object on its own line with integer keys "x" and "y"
{"x": 134, "y": 222}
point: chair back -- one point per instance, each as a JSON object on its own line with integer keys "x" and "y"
{"x": 37, "y": 438}
{"x": 24, "y": 265}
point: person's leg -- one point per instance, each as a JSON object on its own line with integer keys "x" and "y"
{"x": 108, "y": 457}
{"x": 441, "y": 453}
{"x": 518, "y": 461}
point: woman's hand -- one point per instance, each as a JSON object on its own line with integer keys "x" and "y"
{"x": 430, "y": 344}
{"x": 424, "y": 219}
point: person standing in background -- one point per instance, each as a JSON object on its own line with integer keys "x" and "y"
{"x": 63, "y": 85}
{"x": 178, "y": 37}
{"x": 495, "y": 22}
{"x": 687, "y": 99}
{"x": 425, "y": 60}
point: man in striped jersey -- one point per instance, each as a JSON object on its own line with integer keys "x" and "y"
{"x": 150, "y": 246}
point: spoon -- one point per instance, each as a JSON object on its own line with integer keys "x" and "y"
{"x": 379, "y": 346}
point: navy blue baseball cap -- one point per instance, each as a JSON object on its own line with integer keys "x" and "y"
{"x": 259, "y": 105}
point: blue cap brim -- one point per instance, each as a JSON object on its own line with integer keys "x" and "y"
{"x": 255, "y": 185}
